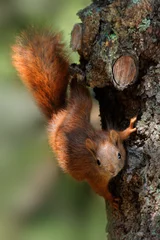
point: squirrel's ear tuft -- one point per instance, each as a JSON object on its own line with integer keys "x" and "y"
{"x": 91, "y": 146}
{"x": 114, "y": 136}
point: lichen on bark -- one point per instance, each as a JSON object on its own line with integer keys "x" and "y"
{"x": 115, "y": 28}
{"x": 111, "y": 29}
{"x": 139, "y": 183}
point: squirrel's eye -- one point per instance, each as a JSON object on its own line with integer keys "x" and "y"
{"x": 98, "y": 162}
{"x": 119, "y": 156}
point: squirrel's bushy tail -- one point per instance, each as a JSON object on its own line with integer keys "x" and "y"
{"x": 42, "y": 64}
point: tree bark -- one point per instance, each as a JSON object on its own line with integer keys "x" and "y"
{"x": 119, "y": 47}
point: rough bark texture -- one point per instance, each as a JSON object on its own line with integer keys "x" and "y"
{"x": 109, "y": 30}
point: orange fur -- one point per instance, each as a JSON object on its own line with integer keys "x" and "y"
{"x": 41, "y": 61}
{"x": 86, "y": 154}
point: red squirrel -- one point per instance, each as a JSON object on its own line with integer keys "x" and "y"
{"x": 90, "y": 155}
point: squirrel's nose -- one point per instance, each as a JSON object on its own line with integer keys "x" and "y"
{"x": 112, "y": 170}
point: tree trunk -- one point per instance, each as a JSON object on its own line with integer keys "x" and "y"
{"x": 119, "y": 47}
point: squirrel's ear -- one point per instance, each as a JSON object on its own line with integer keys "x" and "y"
{"x": 91, "y": 146}
{"x": 114, "y": 136}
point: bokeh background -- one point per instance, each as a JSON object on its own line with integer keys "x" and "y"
{"x": 37, "y": 200}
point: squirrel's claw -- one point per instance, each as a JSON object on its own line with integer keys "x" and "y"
{"x": 115, "y": 203}
{"x": 126, "y": 133}
{"x": 132, "y": 121}
{"x": 131, "y": 128}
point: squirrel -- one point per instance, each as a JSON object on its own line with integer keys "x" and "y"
{"x": 94, "y": 156}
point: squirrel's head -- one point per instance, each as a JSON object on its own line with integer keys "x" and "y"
{"x": 108, "y": 153}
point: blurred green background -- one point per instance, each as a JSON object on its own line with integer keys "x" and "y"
{"x": 37, "y": 200}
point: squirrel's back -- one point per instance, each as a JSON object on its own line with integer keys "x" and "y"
{"x": 42, "y": 64}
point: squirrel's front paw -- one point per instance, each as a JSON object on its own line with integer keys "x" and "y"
{"x": 131, "y": 125}
{"x": 115, "y": 203}
{"x": 127, "y": 132}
